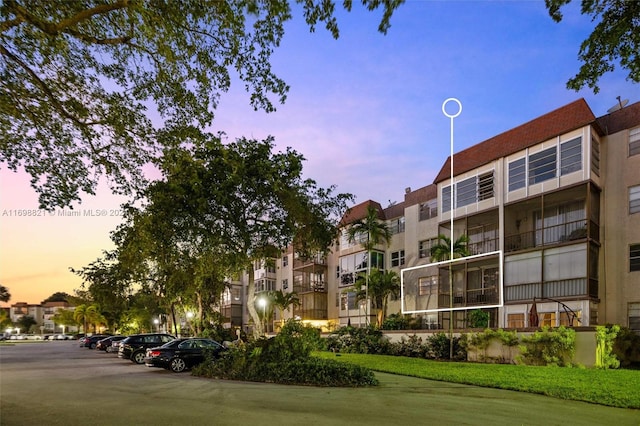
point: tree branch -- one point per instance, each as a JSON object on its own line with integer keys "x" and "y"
{"x": 47, "y": 91}
{"x": 54, "y": 29}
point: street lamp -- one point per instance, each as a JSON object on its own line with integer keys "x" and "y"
{"x": 156, "y": 321}
{"x": 263, "y": 302}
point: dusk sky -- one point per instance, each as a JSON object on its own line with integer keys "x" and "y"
{"x": 365, "y": 111}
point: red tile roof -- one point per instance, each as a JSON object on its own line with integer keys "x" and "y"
{"x": 359, "y": 211}
{"x": 625, "y": 118}
{"x": 421, "y": 195}
{"x": 565, "y": 119}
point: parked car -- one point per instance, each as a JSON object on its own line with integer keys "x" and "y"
{"x": 134, "y": 347}
{"x": 106, "y": 343}
{"x": 92, "y": 341}
{"x": 181, "y": 354}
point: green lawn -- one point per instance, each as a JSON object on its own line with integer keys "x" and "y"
{"x": 616, "y": 388}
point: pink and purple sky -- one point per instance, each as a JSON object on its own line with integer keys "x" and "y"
{"x": 365, "y": 110}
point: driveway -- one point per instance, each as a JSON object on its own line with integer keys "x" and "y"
{"x": 59, "y": 383}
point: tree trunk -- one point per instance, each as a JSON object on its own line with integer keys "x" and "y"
{"x": 251, "y": 304}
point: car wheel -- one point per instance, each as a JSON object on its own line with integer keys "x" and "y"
{"x": 92, "y": 346}
{"x": 178, "y": 365}
{"x": 138, "y": 357}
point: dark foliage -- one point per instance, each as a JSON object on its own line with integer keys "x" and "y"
{"x": 285, "y": 359}
{"x": 372, "y": 341}
{"x": 627, "y": 348}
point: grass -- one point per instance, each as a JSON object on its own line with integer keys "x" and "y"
{"x": 615, "y": 388}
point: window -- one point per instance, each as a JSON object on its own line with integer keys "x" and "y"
{"x": 428, "y": 286}
{"x": 428, "y": 210}
{"x": 285, "y": 284}
{"x": 595, "y": 156}
{"x": 285, "y": 260}
{"x": 396, "y": 226}
{"x": 547, "y": 319}
{"x": 570, "y": 319}
{"x": 634, "y": 257}
{"x": 397, "y": 258}
{"x": 634, "y": 141}
{"x": 515, "y": 320}
{"x": 634, "y": 199}
{"x": 570, "y": 156}
{"x": 634, "y": 317}
{"x": 542, "y": 166}
{"x": 517, "y": 174}
{"x": 446, "y": 198}
{"x": 485, "y": 186}
{"x": 466, "y": 192}
{"x": 424, "y": 247}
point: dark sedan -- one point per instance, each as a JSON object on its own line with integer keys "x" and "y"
{"x": 105, "y": 343}
{"x": 91, "y": 341}
{"x": 181, "y": 354}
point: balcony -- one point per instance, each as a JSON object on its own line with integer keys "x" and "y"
{"x": 308, "y": 286}
{"x": 485, "y": 246}
{"x": 556, "y": 234}
{"x": 471, "y": 297}
{"x": 312, "y": 261}
{"x": 576, "y": 287}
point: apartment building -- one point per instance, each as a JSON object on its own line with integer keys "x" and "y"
{"x": 552, "y": 212}
{"x": 43, "y": 314}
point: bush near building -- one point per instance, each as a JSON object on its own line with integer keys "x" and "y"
{"x": 286, "y": 359}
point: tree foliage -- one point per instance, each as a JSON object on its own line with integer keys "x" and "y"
{"x": 80, "y": 80}
{"x": 615, "y": 38}
{"x": 382, "y": 285}
{"x": 217, "y": 208}
{"x": 5, "y": 296}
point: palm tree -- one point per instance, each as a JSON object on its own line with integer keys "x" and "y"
{"x": 444, "y": 251}
{"x": 87, "y": 314}
{"x": 376, "y": 232}
{"x": 283, "y": 301}
{"x": 80, "y": 315}
{"x": 382, "y": 284}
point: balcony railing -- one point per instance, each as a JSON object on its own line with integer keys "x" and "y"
{"x": 310, "y": 286}
{"x": 314, "y": 260}
{"x": 473, "y": 297}
{"x": 575, "y": 287}
{"x": 570, "y": 231}
{"x": 485, "y": 246}
{"x": 311, "y": 314}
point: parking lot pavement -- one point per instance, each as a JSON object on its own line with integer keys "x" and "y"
{"x": 59, "y": 383}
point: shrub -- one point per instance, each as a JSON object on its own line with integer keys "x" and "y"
{"x": 439, "y": 347}
{"x": 548, "y": 347}
{"x": 605, "y": 338}
{"x": 366, "y": 340}
{"x": 478, "y": 318}
{"x": 284, "y": 359}
{"x": 627, "y": 348}
{"x": 395, "y": 322}
{"x": 412, "y": 347}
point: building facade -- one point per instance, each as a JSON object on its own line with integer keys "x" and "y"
{"x": 551, "y": 209}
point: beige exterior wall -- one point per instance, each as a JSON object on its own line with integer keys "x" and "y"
{"x": 618, "y": 286}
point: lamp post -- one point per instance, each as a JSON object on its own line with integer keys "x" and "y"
{"x": 263, "y": 303}
{"x": 156, "y": 321}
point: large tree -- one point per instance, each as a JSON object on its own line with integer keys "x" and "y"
{"x": 615, "y": 38}
{"x": 224, "y": 206}
{"x": 79, "y": 80}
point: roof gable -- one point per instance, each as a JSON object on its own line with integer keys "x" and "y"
{"x": 565, "y": 119}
